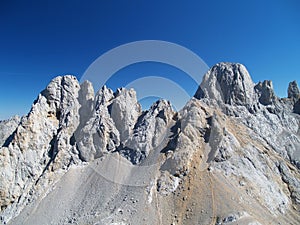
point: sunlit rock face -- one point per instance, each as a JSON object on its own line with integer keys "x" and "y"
{"x": 231, "y": 155}
{"x": 228, "y": 83}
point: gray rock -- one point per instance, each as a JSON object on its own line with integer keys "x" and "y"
{"x": 272, "y": 124}
{"x": 79, "y": 157}
{"x": 149, "y": 132}
{"x": 167, "y": 183}
{"x": 124, "y": 110}
{"x": 189, "y": 134}
{"x": 7, "y": 128}
{"x": 98, "y": 134}
{"x": 40, "y": 143}
{"x": 296, "y": 108}
{"x": 86, "y": 101}
{"x": 293, "y": 90}
{"x": 292, "y": 182}
{"x": 265, "y": 92}
{"x": 228, "y": 83}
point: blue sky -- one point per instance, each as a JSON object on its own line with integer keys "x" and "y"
{"x": 42, "y": 39}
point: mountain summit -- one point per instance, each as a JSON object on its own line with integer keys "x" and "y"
{"x": 231, "y": 155}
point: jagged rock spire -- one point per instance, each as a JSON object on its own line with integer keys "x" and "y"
{"x": 293, "y": 90}
{"x": 76, "y": 143}
{"x": 265, "y": 92}
{"x": 228, "y": 83}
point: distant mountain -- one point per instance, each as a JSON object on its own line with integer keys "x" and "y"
{"x": 230, "y": 156}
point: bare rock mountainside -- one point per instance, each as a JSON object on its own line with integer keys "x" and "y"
{"x": 231, "y": 155}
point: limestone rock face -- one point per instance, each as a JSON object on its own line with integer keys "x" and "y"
{"x": 229, "y": 156}
{"x": 293, "y": 90}
{"x": 228, "y": 83}
{"x": 7, "y": 128}
{"x": 99, "y": 134}
{"x": 189, "y": 135}
{"x": 124, "y": 110}
{"x": 40, "y": 142}
{"x": 265, "y": 92}
{"x": 272, "y": 123}
{"x": 149, "y": 132}
{"x": 296, "y": 107}
{"x": 294, "y": 95}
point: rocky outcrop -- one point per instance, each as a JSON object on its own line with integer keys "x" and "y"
{"x": 294, "y": 95}
{"x": 7, "y": 128}
{"x": 263, "y": 112}
{"x": 124, "y": 110}
{"x": 230, "y": 155}
{"x": 293, "y": 90}
{"x": 41, "y": 142}
{"x": 296, "y": 107}
{"x": 118, "y": 124}
{"x": 149, "y": 132}
{"x": 228, "y": 83}
{"x": 99, "y": 134}
{"x": 190, "y": 132}
{"x": 265, "y": 92}
{"x": 67, "y": 126}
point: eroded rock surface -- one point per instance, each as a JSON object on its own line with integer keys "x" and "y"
{"x": 7, "y": 128}
{"x": 231, "y": 155}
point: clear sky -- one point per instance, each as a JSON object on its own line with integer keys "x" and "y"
{"x": 42, "y": 39}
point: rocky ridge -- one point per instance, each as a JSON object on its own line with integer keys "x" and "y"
{"x": 230, "y": 156}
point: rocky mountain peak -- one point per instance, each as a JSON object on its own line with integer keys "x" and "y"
{"x": 124, "y": 109}
{"x": 90, "y": 158}
{"x": 294, "y": 94}
{"x": 103, "y": 96}
{"x": 60, "y": 90}
{"x": 293, "y": 90}
{"x": 228, "y": 83}
{"x": 86, "y": 91}
{"x": 265, "y": 92}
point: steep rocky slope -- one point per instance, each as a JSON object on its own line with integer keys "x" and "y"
{"x": 230, "y": 156}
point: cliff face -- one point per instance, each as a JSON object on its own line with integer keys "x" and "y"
{"x": 230, "y": 156}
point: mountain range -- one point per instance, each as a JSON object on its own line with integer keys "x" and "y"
{"x": 231, "y": 155}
